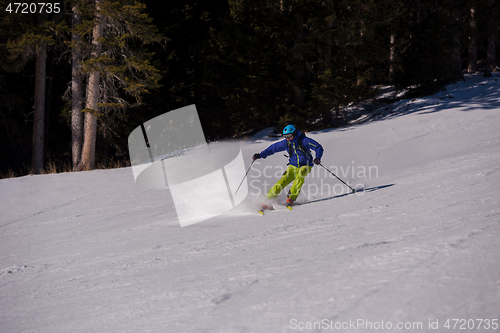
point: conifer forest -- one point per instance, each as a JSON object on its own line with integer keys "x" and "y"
{"x": 76, "y": 77}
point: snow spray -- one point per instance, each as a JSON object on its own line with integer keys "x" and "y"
{"x": 170, "y": 152}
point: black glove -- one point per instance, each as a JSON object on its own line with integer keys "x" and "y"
{"x": 256, "y": 156}
{"x": 317, "y": 160}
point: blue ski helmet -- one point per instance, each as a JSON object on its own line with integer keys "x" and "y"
{"x": 289, "y": 129}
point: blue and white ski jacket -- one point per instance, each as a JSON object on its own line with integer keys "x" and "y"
{"x": 298, "y": 157}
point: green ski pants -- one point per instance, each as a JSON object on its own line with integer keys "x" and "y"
{"x": 292, "y": 173}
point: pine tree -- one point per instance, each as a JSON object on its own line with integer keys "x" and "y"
{"x": 118, "y": 66}
{"x": 472, "y": 51}
{"x": 77, "y": 86}
{"x": 39, "y": 116}
{"x": 491, "y": 29}
{"x": 27, "y": 37}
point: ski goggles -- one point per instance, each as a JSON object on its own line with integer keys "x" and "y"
{"x": 288, "y": 136}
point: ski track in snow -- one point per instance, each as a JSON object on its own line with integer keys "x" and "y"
{"x": 91, "y": 252}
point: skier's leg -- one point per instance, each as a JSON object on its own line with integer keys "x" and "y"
{"x": 300, "y": 176}
{"x": 287, "y": 177}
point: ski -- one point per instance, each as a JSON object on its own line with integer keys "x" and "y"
{"x": 271, "y": 208}
{"x": 264, "y": 208}
{"x": 359, "y": 191}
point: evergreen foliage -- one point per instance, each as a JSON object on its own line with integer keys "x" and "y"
{"x": 245, "y": 64}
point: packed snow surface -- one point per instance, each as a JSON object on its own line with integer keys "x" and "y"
{"x": 92, "y": 252}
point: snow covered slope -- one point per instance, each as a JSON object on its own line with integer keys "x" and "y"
{"x": 91, "y": 252}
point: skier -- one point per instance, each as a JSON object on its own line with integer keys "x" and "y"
{"x": 299, "y": 165}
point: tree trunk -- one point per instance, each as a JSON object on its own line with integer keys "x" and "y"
{"x": 49, "y": 83}
{"x": 105, "y": 148}
{"x": 327, "y": 113}
{"x": 39, "y": 117}
{"x": 197, "y": 57}
{"x": 456, "y": 57}
{"x": 299, "y": 72}
{"x": 392, "y": 59}
{"x": 491, "y": 52}
{"x": 90, "y": 127}
{"x": 76, "y": 94}
{"x": 490, "y": 61}
{"x": 472, "y": 56}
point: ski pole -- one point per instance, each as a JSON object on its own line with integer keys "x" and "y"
{"x": 245, "y": 176}
{"x": 353, "y": 190}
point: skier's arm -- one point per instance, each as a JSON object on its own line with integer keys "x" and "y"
{"x": 314, "y": 145}
{"x": 274, "y": 148}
